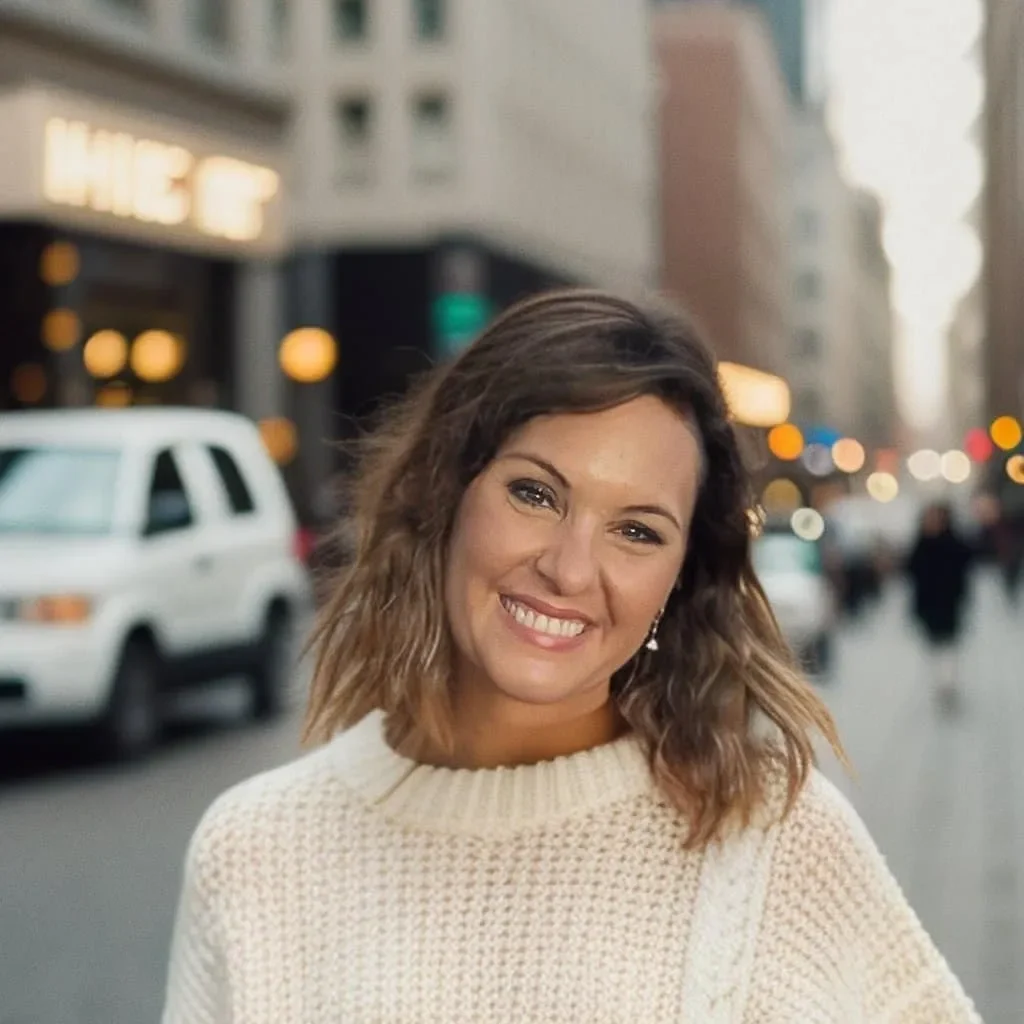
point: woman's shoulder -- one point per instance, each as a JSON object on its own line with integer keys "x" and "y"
{"x": 822, "y": 843}
{"x": 823, "y": 809}
{"x": 268, "y": 809}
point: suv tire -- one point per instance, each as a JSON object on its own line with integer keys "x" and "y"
{"x": 271, "y": 674}
{"x": 132, "y": 721}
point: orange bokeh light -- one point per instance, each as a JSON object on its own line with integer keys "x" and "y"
{"x": 1006, "y": 433}
{"x": 786, "y": 442}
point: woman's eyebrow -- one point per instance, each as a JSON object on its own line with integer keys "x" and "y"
{"x": 543, "y": 464}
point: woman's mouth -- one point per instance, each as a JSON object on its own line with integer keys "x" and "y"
{"x": 545, "y": 625}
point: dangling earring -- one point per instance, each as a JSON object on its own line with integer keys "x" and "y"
{"x": 652, "y": 637}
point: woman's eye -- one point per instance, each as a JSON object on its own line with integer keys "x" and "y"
{"x": 532, "y": 493}
{"x": 640, "y": 534}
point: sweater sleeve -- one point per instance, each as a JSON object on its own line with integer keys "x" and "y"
{"x": 197, "y": 984}
{"x": 835, "y": 912}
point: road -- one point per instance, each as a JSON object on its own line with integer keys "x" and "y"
{"x": 91, "y": 857}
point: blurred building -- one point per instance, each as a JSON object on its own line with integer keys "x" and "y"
{"x": 387, "y": 173}
{"x": 877, "y": 422}
{"x": 142, "y": 203}
{"x": 797, "y": 32}
{"x": 841, "y": 356}
{"x": 788, "y": 22}
{"x": 1003, "y": 226}
{"x": 454, "y": 156}
{"x": 724, "y": 132}
{"x": 966, "y": 368}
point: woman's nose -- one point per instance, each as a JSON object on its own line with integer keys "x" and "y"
{"x": 569, "y": 561}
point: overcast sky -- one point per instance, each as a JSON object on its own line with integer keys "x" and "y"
{"x": 905, "y": 90}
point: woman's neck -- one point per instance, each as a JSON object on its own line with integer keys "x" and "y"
{"x": 492, "y": 730}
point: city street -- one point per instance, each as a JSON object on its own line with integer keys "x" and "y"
{"x": 91, "y": 857}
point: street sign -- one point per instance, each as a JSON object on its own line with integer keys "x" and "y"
{"x": 458, "y": 318}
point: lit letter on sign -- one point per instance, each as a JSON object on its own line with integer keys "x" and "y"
{"x": 230, "y": 197}
{"x": 153, "y": 182}
{"x": 161, "y": 183}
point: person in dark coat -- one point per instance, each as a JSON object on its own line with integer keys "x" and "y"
{"x": 939, "y": 569}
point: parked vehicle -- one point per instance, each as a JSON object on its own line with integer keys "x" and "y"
{"x": 871, "y": 539}
{"x": 793, "y": 574}
{"x": 141, "y": 550}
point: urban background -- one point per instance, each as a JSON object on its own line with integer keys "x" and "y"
{"x": 290, "y": 208}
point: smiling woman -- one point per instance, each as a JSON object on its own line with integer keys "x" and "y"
{"x": 567, "y": 770}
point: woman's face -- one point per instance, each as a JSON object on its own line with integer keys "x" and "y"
{"x": 566, "y": 547}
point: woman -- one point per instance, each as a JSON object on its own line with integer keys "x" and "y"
{"x": 567, "y": 763}
{"x": 939, "y": 567}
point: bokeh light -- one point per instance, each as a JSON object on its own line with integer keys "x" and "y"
{"x": 59, "y": 264}
{"x": 887, "y": 460}
{"x": 955, "y": 467}
{"x": 1006, "y": 433}
{"x": 925, "y": 465}
{"x": 114, "y": 396}
{"x": 1015, "y": 468}
{"x": 786, "y": 442}
{"x": 280, "y": 438}
{"x": 883, "y": 487}
{"x": 808, "y": 524}
{"x": 781, "y": 496}
{"x": 848, "y": 455}
{"x": 308, "y": 355}
{"x": 28, "y": 383}
{"x": 978, "y": 445}
{"x": 157, "y": 356}
{"x": 61, "y": 329}
{"x": 817, "y": 460}
{"x": 105, "y": 353}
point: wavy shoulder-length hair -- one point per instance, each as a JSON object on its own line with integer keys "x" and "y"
{"x": 722, "y": 671}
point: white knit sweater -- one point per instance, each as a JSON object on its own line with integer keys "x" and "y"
{"x": 355, "y": 886}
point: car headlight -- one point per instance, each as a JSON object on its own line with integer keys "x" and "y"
{"x": 55, "y": 609}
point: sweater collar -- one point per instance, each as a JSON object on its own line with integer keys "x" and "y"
{"x": 487, "y": 800}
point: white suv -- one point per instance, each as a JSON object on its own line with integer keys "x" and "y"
{"x": 141, "y": 550}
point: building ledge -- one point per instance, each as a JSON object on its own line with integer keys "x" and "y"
{"x": 137, "y": 49}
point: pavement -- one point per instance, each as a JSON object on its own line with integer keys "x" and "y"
{"x": 943, "y": 794}
{"x": 92, "y": 856}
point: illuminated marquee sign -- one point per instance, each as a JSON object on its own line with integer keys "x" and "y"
{"x": 155, "y": 182}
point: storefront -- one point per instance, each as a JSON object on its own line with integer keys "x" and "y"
{"x": 138, "y": 259}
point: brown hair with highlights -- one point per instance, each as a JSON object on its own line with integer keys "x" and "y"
{"x": 722, "y": 670}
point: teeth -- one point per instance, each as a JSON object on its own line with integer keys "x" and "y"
{"x": 546, "y": 624}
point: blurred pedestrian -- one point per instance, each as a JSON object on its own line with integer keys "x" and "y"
{"x": 939, "y": 567}
{"x": 567, "y": 770}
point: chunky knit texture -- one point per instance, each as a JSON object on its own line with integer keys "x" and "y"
{"x": 357, "y": 886}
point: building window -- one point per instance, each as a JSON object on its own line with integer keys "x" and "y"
{"x": 433, "y": 152}
{"x": 806, "y": 225}
{"x": 808, "y": 343}
{"x": 351, "y": 20}
{"x": 278, "y": 27}
{"x": 355, "y": 140}
{"x": 131, "y": 7}
{"x": 209, "y": 21}
{"x": 431, "y": 20}
{"x": 808, "y": 284}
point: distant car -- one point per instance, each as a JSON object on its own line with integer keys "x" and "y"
{"x": 141, "y": 550}
{"x": 794, "y": 577}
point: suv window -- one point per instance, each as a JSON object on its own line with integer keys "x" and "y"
{"x": 239, "y": 496}
{"x": 169, "y": 507}
{"x": 58, "y": 490}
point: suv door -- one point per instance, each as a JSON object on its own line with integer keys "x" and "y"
{"x": 176, "y": 563}
{"x": 246, "y": 544}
